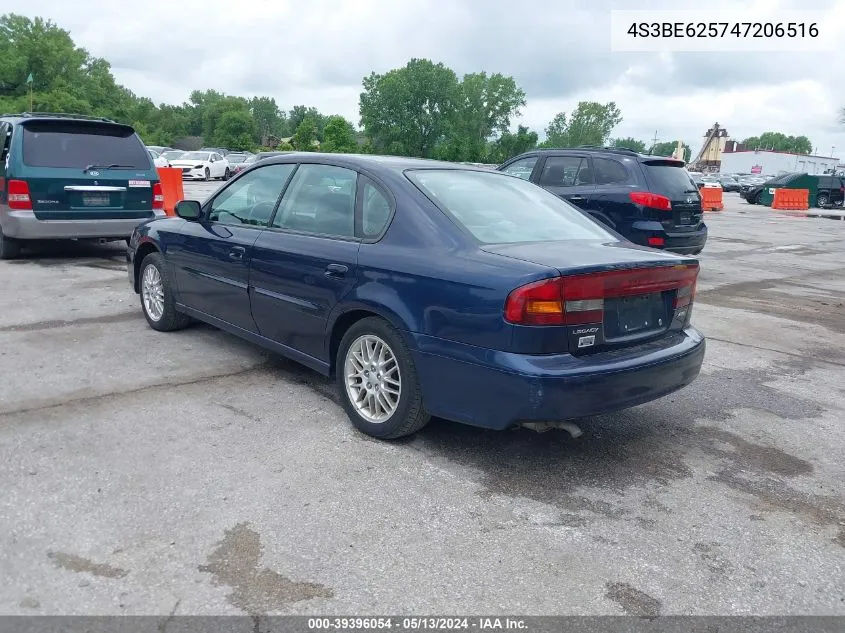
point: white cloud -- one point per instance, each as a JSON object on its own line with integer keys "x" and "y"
{"x": 315, "y": 52}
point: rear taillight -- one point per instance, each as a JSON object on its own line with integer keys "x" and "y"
{"x": 158, "y": 196}
{"x": 18, "y": 192}
{"x": 652, "y": 200}
{"x": 579, "y": 299}
{"x": 656, "y": 241}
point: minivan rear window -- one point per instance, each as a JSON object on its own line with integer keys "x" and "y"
{"x": 670, "y": 179}
{"x": 78, "y": 145}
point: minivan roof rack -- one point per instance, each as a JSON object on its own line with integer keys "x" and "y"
{"x": 59, "y": 115}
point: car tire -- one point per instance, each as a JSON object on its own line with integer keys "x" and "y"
{"x": 822, "y": 200}
{"x": 156, "y": 291}
{"x": 9, "y": 248}
{"x": 392, "y": 408}
{"x": 207, "y": 174}
{"x": 227, "y": 174}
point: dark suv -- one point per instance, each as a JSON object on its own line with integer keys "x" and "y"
{"x": 67, "y": 176}
{"x": 650, "y": 200}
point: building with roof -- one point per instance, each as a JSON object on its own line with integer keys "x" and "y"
{"x": 738, "y": 160}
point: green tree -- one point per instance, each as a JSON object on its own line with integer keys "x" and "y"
{"x": 667, "y": 148}
{"x": 269, "y": 120}
{"x": 235, "y": 130}
{"x": 629, "y": 143}
{"x": 779, "y": 142}
{"x": 339, "y": 136}
{"x": 484, "y": 107}
{"x": 299, "y": 113}
{"x": 305, "y": 137}
{"x": 406, "y": 110}
{"x": 509, "y": 145}
{"x": 589, "y": 124}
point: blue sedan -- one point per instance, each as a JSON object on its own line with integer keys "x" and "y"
{"x": 426, "y": 289}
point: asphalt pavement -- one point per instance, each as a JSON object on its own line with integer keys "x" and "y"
{"x": 192, "y": 473}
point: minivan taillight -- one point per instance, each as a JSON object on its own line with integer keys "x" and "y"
{"x": 158, "y": 196}
{"x": 18, "y": 192}
{"x": 579, "y": 299}
{"x": 652, "y": 200}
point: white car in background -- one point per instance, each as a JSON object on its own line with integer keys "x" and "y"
{"x": 158, "y": 159}
{"x": 202, "y": 166}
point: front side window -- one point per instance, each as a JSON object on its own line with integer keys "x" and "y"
{"x": 320, "y": 199}
{"x": 521, "y": 168}
{"x": 250, "y": 200}
{"x": 499, "y": 210}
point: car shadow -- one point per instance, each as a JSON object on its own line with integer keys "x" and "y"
{"x": 108, "y": 255}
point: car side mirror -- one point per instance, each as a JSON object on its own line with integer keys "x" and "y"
{"x": 189, "y": 210}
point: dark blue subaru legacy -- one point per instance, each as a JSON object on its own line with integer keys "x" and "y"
{"x": 427, "y": 289}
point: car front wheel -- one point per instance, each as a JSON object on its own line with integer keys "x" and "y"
{"x": 157, "y": 300}
{"x": 378, "y": 382}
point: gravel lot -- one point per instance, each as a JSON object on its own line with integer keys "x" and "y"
{"x": 147, "y": 473}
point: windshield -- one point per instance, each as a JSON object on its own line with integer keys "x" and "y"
{"x": 78, "y": 145}
{"x": 194, "y": 156}
{"x": 500, "y": 209}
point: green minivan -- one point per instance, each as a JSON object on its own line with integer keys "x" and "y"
{"x": 68, "y": 176}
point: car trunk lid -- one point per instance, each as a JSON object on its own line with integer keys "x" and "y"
{"x": 92, "y": 170}
{"x": 669, "y": 178}
{"x": 607, "y": 294}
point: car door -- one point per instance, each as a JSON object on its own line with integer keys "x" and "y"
{"x": 218, "y": 167}
{"x": 568, "y": 176}
{"x": 211, "y": 258}
{"x": 307, "y": 260}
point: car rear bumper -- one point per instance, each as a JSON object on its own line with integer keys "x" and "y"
{"x": 510, "y": 388}
{"x": 683, "y": 242}
{"x": 24, "y": 225}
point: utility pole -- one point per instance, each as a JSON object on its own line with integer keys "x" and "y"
{"x": 653, "y": 142}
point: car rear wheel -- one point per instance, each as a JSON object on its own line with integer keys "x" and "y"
{"x": 378, "y": 382}
{"x": 207, "y": 174}
{"x": 9, "y": 248}
{"x": 227, "y": 174}
{"x": 822, "y": 200}
{"x": 157, "y": 300}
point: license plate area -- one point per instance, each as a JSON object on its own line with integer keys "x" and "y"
{"x": 96, "y": 200}
{"x": 685, "y": 217}
{"x": 635, "y": 316}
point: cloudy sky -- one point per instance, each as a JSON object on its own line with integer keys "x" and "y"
{"x": 315, "y": 52}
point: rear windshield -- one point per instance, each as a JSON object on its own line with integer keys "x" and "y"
{"x": 79, "y": 145}
{"x": 501, "y": 209}
{"x": 670, "y": 179}
{"x": 236, "y": 158}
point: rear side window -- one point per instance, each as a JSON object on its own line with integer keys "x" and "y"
{"x": 669, "y": 179}
{"x": 500, "y": 210}
{"x": 566, "y": 171}
{"x": 78, "y": 145}
{"x": 609, "y": 172}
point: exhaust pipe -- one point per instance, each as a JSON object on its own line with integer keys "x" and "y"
{"x": 541, "y": 427}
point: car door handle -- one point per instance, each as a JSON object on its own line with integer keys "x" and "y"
{"x": 336, "y": 270}
{"x": 237, "y": 252}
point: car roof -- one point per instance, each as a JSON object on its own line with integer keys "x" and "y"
{"x": 619, "y": 151}
{"x": 54, "y": 116}
{"x": 375, "y": 162}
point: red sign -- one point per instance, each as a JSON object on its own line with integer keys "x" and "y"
{"x": 757, "y": 169}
